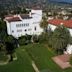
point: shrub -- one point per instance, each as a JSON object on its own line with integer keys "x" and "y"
{"x": 22, "y": 40}
{"x": 35, "y": 38}
{"x": 71, "y": 60}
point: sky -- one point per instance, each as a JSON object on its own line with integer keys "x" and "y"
{"x": 69, "y": 1}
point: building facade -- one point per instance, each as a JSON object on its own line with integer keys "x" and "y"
{"x": 22, "y": 24}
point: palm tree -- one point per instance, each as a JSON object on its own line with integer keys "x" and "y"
{"x": 60, "y": 38}
{"x": 44, "y": 24}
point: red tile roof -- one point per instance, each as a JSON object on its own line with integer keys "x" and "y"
{"x": 66, "y": 23}
{"x": 13, "y": 19}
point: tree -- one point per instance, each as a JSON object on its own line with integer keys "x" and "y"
{"x": 44, "y": 24}
{"x": 10, "y": 39}
{"x": 24, "y": 11}
{"x": 3, "y": 13}
{"x": 3, "y": 47}
{"x": 2, "y": 25}
{"x": 60, "y": 38}
{"x": 10, "y": 49}
{"x": 3, "y": 35}
{"x": 45, "y": 37}
{"x": 70, "y": 60}
{"x": 10, "y": 46}
{"x": 35, "y": 38}
{"x": 22, "y": 40}
{"x": 3, "y": 32}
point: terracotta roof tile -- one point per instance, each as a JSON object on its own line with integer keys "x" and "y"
{"x": 66, "y": 23}
{"x": 13, "y": 19}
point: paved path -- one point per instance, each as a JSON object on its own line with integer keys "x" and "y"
{"x": 33, "y": 63}
{"x": 35, "y": 67}
{"x": 62, "y": 61}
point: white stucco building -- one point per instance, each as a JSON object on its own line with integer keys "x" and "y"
{"x": 69, "y": 49}
{"x": 18, "y": 25}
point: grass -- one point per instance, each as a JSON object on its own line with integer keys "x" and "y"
{"x": 3, "y": 57}
{"x": 42, "y": 57}
{"x": 40, "y": 54}
{"x": 22, "y": 64}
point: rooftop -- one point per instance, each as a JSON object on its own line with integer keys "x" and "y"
{"x": 13, "y": 18}
{"x": 25, "y": 16}
{"x": 66, "y": 23}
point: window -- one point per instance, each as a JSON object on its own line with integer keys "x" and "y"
{"x": 12, "y": 31}
{"x": 36, "y": 22}
{"x": 25, "y": 30}
{"x": 22, "y": 25}
{"x": 35, "y": 28}
{"x": 27, "y": 24}
{"x": 19, "y": 30}
{"x": 16, "y": 25}
{"x": 29, "y": 29}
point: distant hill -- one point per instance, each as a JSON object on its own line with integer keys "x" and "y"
{"x": 61, "y": 1}
{"x": 12, "y": 4}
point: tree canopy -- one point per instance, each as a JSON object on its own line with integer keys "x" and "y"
{"x": 44, "y": 24}
{"x": 60, "y": 38}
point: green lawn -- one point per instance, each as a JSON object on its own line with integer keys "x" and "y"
{"x": 40, "y": 54}
{"x": 23, "y": 64}
{"x": 42, "y": 57}
{"x": 3, "y": 57}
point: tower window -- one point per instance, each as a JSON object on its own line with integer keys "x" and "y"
{"x": 12, "y": 31}
{"x": 25, "y": 30}
{"x": 35, "y": 28}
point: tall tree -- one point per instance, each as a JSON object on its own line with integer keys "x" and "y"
{"x": 60, "y": 38}
{"x": 44, "y": 24}
{"x": 10, "y": 46}
{"x": 3, "y": 32}
{"x": 2, "y": 25}
{"x": 10, "y": 49}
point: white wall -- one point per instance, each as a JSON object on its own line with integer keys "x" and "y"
{"x": 70, "y": 30}
{"x": 33, "y": 22}
{"x": 23, "y": 28}
{"x": 52, "y": 27}
{"x": 36, "y": 11}
{"x": 69, "y": 49}
{"x": 8, "y": 28}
